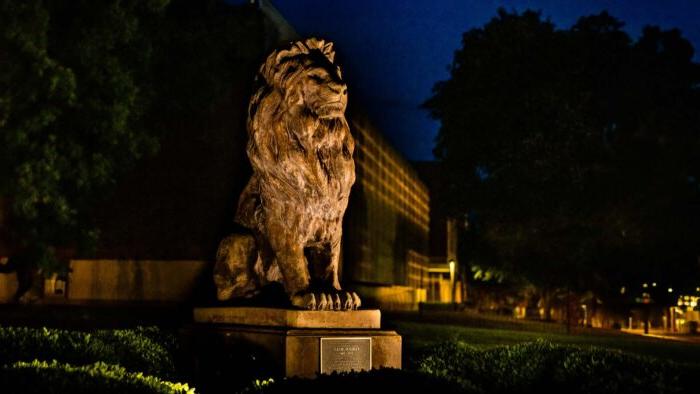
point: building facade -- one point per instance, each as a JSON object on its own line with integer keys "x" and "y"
{"x": 387, "y": 223}
{"x": 445, "y": 282}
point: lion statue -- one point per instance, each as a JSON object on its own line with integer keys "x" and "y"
{"x": 300, "y": 148}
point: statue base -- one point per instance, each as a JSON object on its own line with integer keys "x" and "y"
{"x": 283, "y": 342}
{"x": 290, "y": 318}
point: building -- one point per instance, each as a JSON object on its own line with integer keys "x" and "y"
{"x": 443, "y": 282}
{"x": 387, "y": 224}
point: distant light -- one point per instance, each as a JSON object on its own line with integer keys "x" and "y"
{"x": 653, "y": 284}
{"x": 697, "y": 289}
{"x": 622, "y": 290}
{"x": 645, "y": 285}
{"x": 670, "y": 290}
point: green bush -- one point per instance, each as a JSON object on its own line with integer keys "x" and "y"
{"x": 135, "y": 350}
{"x": 376, "y": 381}
{"x": 541, "y": 365}
{"x": 41, "y": 377}
{"x": 599, "y": 370}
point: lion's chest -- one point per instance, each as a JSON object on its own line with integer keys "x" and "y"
{"x": 318, "y": 166}
{"x": 319, "y": 178}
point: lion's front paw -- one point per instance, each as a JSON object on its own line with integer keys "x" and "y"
{"x": 356, "y": 302}
{"x": 329, "y": 301}
{"x": 348, "y": 301}
{"x": 305, "y": 301}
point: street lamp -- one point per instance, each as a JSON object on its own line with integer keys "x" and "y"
{"x": 452, "y": 280}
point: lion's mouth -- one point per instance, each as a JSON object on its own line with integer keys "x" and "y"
{"x": 331, "y": 110}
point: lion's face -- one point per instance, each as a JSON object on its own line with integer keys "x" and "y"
{"x": 323, "y": 91}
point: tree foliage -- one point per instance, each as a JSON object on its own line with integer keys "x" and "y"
{"x": 74, "y": 86}
{"x": 88, "y": 88}
{"x": 578, "y": 148}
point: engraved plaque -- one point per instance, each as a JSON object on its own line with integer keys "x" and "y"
{"x": 346, "y": 354}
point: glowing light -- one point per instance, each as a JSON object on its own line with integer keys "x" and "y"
{"x": 645, "y": 285}
{"x": 653, "y": 284}
{"x": 623, "y": 290}
{"x": 670, "y": 290}
{"x": 452, "y": 280}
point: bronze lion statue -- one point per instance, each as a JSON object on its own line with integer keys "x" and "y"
{"x": 300, "y": 149}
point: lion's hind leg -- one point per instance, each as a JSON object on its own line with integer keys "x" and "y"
{"x": 234, "y": 274}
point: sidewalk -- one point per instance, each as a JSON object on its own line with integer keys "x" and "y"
{"x": 661, "y": 334}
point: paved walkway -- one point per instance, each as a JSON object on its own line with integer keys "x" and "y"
{"x": 665, "y": 335}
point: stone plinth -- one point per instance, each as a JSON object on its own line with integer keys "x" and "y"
{"x": 290, "y": 318}
{"x": 288, "y": 343}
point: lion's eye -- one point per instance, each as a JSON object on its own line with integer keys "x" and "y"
{"x": 316, "y": 78}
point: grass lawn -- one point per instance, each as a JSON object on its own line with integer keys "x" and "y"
{"x": 419, "y": 335}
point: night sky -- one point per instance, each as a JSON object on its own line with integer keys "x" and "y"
{"x": 392, "y": 52}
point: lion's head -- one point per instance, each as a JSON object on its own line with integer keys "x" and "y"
{"x": 306, "y": 78}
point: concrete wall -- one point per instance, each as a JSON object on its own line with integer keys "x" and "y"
{"x": 135, "y": 280}
{"x": 393, "y": 298}
{"x": 8, "y": 286}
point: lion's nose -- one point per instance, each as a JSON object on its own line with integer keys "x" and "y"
{"x": 339, "y": 89}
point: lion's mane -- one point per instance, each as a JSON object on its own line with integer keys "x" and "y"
{"x": 298, "y": 155}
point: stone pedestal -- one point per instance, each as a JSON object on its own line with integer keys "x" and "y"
{"x": 297, "y": 343}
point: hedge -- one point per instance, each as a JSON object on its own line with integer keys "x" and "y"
{"x": 41, "y": 377}
{"x": 136, "y": 350}
{"x": 539, "y": 366}
{"x": 542, "y": 365}
{"x": 376, "y": 381}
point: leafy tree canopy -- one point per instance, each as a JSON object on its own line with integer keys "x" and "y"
{"x": 578, "y": 149}
{"x": 86, "y": 89}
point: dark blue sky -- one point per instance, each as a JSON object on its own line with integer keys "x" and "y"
{"x": 393, "y": 51}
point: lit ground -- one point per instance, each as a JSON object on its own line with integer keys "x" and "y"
{"x": 422, "y": 331}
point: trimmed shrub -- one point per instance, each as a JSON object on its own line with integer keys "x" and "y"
{"x": 376, "y": 381}
{"x": 132, "y": 349}
{"x": 605, "y": 371}
{"x": 41, "y": 377}
{"x": 541, "y": 365}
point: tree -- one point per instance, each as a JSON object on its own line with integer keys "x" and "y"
{"x": 89, "y": 88}
{"x": 577, "y": 148}
{"x": 73, "y": 91}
